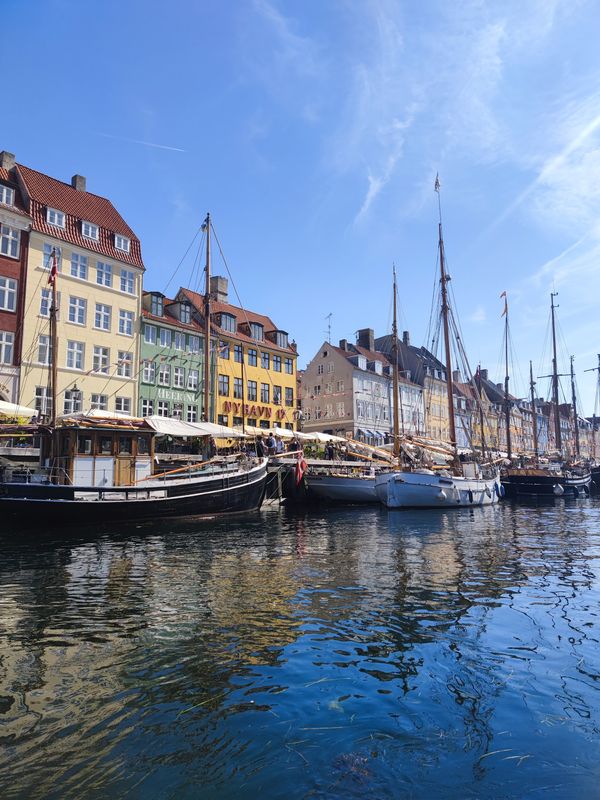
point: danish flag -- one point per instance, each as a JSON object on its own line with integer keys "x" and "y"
{"x": 301, "y": 467}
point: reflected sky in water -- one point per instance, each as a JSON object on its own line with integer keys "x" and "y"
{"x": 346, "y": 653}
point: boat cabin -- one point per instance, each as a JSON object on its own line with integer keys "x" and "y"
{"x": 101, "y": 455}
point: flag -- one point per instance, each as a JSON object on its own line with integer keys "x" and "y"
{"x": 505, "y": 304}
{"x": 53, "y": 268}
{"x": 301, "y": 467}
{"x": 437, "y": 183}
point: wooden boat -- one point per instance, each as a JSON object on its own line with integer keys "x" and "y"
{"x": 95, "y": 469}
{"x": 467, "y": 484}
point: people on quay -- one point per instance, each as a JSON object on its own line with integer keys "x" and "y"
{"x": 330, "y": 450}
{"x": 271, "y": 444}
{"x": 279, "y": 446}
{"x": 260, "y": 446}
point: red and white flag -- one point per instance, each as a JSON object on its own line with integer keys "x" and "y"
{"x": 53, "y": 268}
{"x": 301, "y": 467}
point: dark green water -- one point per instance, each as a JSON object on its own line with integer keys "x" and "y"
{"x": 340, "y": 654}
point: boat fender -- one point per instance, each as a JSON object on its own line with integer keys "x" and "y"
{"x": 470, "y": 495}
{"x": 558, "y": 490}
{"x": 586, "y": 490}
{"x": 487, "y": 491}
{"x": 499, "y": 490}
{"x": 575, "y": 492}
{"x": 442, "y": 495}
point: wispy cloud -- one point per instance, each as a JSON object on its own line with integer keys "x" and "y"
{"x": 478, "y": 315}
{"x": 139, "y": 141}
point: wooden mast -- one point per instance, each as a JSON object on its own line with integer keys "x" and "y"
{"x": 594, "y": 418}
{"x": 444, "y": 278}
{"x": 555, "y": 377}
{"x": 207, "y": 410}
{"x": 481, "y": 417}
{"x": 535, "y": 430}
{"x": 574, "y": 401}
{"x": 506, "y": 379}
{"x": 395, "y": 377}
{"x": 53, "y": 341}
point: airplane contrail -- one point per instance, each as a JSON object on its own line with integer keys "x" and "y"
{"x": 140, "y": 141}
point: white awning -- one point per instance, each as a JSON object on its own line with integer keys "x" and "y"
{"x": 168, "y": 426}
{"x": 14, "y": 410}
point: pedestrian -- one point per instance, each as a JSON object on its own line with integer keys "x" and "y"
{"x": 270, "y": 444}
{"x": 260, "y": 446}
{"x": 329, "y": 451}
{"x": 279, "y": 448}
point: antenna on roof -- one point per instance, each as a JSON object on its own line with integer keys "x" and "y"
{"x": 328, "y": 318}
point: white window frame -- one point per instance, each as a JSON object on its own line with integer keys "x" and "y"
{"x": 99, "y": 402}
{"x": 10, "y": 241}
{"x": 44, "y": 349}
{"x": 7, "y": 195}
{"x": 149, "y": 334}
{"x": 149, "y": 372}
{"x": 126, "y": 319}
{"x": 73, "y": 401}
{"x": 7, "y": 346}
{"x": 79, "y": 266}
{"x": 90, "y": 230}
{"x": 179, "y": 341}
{"x": 123, "y": 405}
{"x": 192, "y": 413}
{"x": 43, "y": 401}
{"x": 124, "y": 364}
{"x": 104, "y": 273}
{"x": 77, "y": 310}
{"x": 178, "y": 377}
{"x": 8, "y": 293}
{"x": 102, "y": 317}
{"x": 147, "y": 407}
{"x": 162, "y": 408}
{"x": 127, "y": 281}
{"x": 193, "y": 379}
{"x": 122, "y": 243}
{"x": 55, "y": 217}
{"x": 164, "y": 374}
{"x": 165, "y": 333}
{"x": 47, "y": 256}
{"x": 75, "y": 355}
{"x": 101, "y": 360}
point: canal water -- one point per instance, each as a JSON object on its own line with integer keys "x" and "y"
{"x": 328, "y": 654}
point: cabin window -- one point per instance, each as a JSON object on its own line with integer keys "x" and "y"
{"x": 228, "y": 323}
{"x": 256, "y": 331}
{"x": 125, "y": 443}
{"x": 105, "y": 446}
{"x": 84, "y": 445}
{"x": 143, "y": 445}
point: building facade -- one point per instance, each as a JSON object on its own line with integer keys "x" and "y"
{"x": 255, "y": 363}
{"x": 14, "y": 243}
{"x": 171, "y": 380}
{"x": 99, "y": 286}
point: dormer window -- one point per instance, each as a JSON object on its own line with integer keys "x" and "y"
{"x": 122, "y": 243}
{"x": 55, "y": 217}
{"x": 362, "y": 362}
{"x": 7, "y": 195}
{"x": 281, "y": 339}
{"x": 378, "y": 367}
{"x": 257, "y": 331}
{"x": 228, "y": 322}
{"x": 89, "y": 230}
{"x": 185, "y": 313}
{"x": 157, "y": 305}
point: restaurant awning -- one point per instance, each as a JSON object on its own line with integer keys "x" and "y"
{"x": 168, "y": 426}
{"x": 15, "y": 410}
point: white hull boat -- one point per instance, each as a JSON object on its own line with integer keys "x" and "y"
{"x": 427, "y": 489}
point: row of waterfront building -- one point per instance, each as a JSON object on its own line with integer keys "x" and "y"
{"x": 347, "y": 390}
{"x": 125, "y": 349}
{"x": 121, "y": 348}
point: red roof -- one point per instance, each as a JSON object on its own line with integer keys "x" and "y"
{"x": 45, "y": 192}
{"x": 242, "y": 316}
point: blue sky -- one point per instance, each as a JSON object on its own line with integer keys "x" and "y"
{"x": 313, "y": 131}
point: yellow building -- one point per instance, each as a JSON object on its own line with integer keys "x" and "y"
{"x": 99, "y": 285}
{"x": 255, "y": 365}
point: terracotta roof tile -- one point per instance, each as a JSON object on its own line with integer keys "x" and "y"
{"x": 45, "y": 191}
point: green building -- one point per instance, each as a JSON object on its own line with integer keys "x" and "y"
{"x": 171, "y": 377}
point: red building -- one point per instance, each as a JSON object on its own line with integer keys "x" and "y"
{"x": 15, "y": 224}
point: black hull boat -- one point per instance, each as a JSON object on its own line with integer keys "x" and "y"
{"x": 542, "y": 483}
{"x": 235, "y": 491}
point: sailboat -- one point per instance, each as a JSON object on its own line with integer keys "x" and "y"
{"x": 100, "y": 467}
{"x": 551, "y": 480}
{"x": 466, "y": 484}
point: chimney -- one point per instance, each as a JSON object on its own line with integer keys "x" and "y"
{"x": 343, "y": 344}
{"x": 366, "y": 338}
{"x": 406, "y": 338}
{"x": 218, "y": 288}
{"x": 78, "y": 183}
{"x": 7, "y": 160}
{"x": 456, "y": 375}
{"x": 484, "y": 374}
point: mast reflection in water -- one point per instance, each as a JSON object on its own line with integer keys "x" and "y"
{"x": 349, "y": 653}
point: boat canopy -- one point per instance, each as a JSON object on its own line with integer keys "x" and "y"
{"x": 167, "y": 426}
{"x": 15, "y": 410}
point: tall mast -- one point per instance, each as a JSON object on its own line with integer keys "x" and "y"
{"x": 207, "y": 410}
{"x": 506, "y": 395}
{"x": 555, "y": 377}
{"x": 444, "y": 278}
{"x": 53, "y": 340}
{"x": 594, "y": 418}
{"x": 574, "y": 401}
{"x": 395, "y": 377}
{"x": 535, "y": 430}
{"x": 481, "y": 418}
